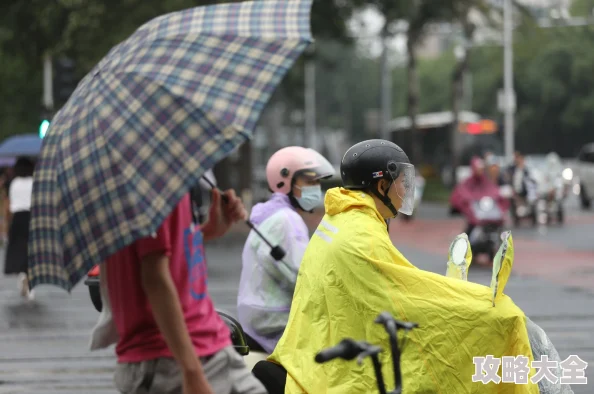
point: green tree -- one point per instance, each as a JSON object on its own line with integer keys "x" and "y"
{"x": 86, "y": 30}
{"x": 582, "y": 7}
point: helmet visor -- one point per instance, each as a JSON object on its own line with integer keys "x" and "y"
{"x": 403, "y": 176}
{"x": 316, "y": 166}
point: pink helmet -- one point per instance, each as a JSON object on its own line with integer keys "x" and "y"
{"x": 295, "y": 160}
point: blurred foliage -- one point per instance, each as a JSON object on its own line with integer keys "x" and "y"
{"x": 582, "y": 7}
{"x": 554, "y": 83}
{"x": 554, "y": 74}
{"x": 86, "y": 29}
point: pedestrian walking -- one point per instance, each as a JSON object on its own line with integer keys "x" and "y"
{"x": 17, "y": 221}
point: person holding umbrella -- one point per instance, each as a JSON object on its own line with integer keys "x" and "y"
{"x": 17, "y": 218}
{"x": 116, "y": 167}
{"x": 163, "y": 313}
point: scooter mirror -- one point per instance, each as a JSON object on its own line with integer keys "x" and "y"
{"x": 458, "y": 251}
{"x": 459, "y": 258}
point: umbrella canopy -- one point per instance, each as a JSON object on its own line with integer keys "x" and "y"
{"x": 20, "y": 145}
{"x": 160, "y": 109}
{"x": 7, "y": 162}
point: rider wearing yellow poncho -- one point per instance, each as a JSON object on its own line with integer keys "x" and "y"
{"x": 351, "y": 272}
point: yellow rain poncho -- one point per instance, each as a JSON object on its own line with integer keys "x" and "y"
{"x": 350, "y": 273}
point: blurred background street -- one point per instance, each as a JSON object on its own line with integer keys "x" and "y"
{"x": 446, "y": 80}
{"x": 43, "y": 344}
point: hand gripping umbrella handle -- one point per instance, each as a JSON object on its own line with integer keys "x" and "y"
{"x": 277, "y": 251}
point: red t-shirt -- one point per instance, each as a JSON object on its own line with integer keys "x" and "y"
{"x": 139, "y": 335}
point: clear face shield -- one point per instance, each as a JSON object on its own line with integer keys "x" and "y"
{"x": 316, "y": 166}
{"x": 403, "y": 177}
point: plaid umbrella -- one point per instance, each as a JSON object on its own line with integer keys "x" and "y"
{"x": 159, "y": 110}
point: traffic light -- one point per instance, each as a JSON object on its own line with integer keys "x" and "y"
{"x": 46, "y": 117}
{"x": 43, "y": 126}
{"x": 64, "y": 81}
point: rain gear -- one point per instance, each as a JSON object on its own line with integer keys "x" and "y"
{"x": 266, "y": 286}
{"x": 478, "y": 185}
{"x": 350, "y": 273}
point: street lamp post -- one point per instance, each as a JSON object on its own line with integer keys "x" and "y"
{"x": 310, "y": 99}
{"x": 508, "y": 78}
{"x": 386, "y": 88}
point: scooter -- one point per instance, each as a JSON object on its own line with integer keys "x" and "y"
{"x": 487, "y": 216}
{"x": 273, "y": 376}
{"x": 525, "y": 207}
{"x": 549, "y": 205}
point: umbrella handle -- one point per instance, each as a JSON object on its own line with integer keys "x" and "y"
{"x": 277, "y": 252}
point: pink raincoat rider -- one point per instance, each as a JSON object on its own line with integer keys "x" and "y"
{"x": 475, "y": 187}
{"x": 266, "y": 286}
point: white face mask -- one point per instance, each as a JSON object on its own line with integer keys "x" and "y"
{"x": 311, "y": 197}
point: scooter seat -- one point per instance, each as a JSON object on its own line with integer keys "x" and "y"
{"x": 273, "y": 376}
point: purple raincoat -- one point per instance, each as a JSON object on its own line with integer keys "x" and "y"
{"x": 266, "y": 286}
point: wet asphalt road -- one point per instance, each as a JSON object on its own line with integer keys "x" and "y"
{"x": 44, "y": 344}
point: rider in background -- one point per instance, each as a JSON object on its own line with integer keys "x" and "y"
{"x": 521, "y": 180}
{"x": 266, "y": 286}
{"x": 493, "y": 170}
{"x": 472, "y": 188}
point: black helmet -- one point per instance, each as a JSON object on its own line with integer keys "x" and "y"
{"x": 367, "y": 162}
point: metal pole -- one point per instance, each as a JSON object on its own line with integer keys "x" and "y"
{"x": 386, "y": 90}
{"x": 468, "y": 87}
{"x": 508, "y": 75}
{"x": 48, "y": 94}
{"x": 310, "y": 102}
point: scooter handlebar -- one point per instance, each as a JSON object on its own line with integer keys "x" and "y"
{"x": 347, "y": 349}
{"x": 392, "y": 325}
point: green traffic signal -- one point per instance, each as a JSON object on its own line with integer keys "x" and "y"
{"x": 43, "y": 128}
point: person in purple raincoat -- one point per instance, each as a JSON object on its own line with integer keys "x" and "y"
{"x": 266, "y": 286}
